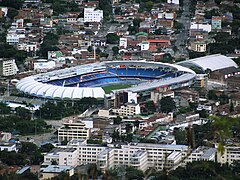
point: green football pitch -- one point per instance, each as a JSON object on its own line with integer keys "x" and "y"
{"x": 109, "y": 88}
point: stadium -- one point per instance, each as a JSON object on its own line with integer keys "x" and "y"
{"x": 93, "y": 80}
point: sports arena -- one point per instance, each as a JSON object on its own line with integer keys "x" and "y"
{"x": 90, "y": 80}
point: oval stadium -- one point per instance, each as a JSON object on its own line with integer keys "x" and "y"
{"x": 93, "y": 80}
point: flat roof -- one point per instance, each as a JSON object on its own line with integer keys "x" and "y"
{"x": 56, "y": 169}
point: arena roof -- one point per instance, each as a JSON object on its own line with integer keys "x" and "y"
{"x": 39, "y": 89}
{"x": 212, "y": 62}
{"x": 158, "y": 83}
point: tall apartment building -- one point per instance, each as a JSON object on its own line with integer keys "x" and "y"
{"x": 8, "y": 67}
{"x": 73, "y": 130}
{"x": 62, "y": 157}
{"x": 91, "y": 15}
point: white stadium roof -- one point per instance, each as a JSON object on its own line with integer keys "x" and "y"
{"x": 212, "y": 62}
{"x": 39, "y": 89}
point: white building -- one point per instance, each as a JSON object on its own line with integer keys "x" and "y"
{"x": 203, "y": 27}
{"x": 5, "y": 136}
{"x": 42, "y": 65}
{"x": 123, "y": 43}
{"x": 62, "y": 157}
{"x": 5, "y": 10}
{"x": 173, "y": 1}
{"x": 130, "y": 109}
{"x": 86, "y": 153}
{"x": 145, "y": 46}
{"x": 141, "y": 156}
{"x": 202, "y": 153}
{"x": 28, "y": 47}
{"x": 8, "y": 67}
{"x": 54, "y": 170}
{"x": 73, "y": 130}
{"x": 230, "y": 154}
{"x": 8, "y": 147}
{"x": 92, "y": 15}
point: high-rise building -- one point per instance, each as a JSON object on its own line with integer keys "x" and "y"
{"x": 8, "y": 67}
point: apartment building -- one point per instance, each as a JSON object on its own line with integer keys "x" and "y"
{"x": 8, "y": 67}
{"x": 141, "y": 155}
{"x": 231, "y": 154}
{"x": 202, "y": 153}
{"x": 130, "y": 109}
{"x": 92, "y": 15}
{"x": 117, "y": 157}
{"x": 87, "y": 153}
{"x": 73, "y": 130}
{"x": 62, "y": 157}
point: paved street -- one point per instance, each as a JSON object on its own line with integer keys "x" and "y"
{"x": 182, "y": 37}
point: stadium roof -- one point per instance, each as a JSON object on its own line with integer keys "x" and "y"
{"x": 39, "y": 89}
{"x": 162, "y": 82}
{"x": 212, "y": 62}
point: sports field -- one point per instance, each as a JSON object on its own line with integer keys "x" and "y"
{"x": 109, "y": 88}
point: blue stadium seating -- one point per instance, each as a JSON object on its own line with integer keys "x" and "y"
{"x": 114, "y": 75}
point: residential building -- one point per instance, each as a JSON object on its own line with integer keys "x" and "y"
{"x": 5, "y": 146}
{"x": 62, "y": 157}
{"x": 92, "y": 15}
{"x": 199, "y": 46}
{"x": 87, "y": 153}
{"x": 216, "y": 23}
{"x": 73, "y": 130}
{"x": 173, "y": 1}
{"x": 5, "y": 136}
{"x": 3, "y": 11}
{"x": 230, "y": 154}
{"x": 187, "y": 117}
{"x": 201, "y": 81}
{"x": 54, "y": 170}
{"x": 202, "y": 153}
{"x": 130, "y": 109}
{"x": 8, "y": 67}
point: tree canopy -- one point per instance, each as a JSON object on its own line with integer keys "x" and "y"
{"x": 167, "y": 104}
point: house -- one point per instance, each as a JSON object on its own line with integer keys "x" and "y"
{"x": 54, "y": 170}
{"x": 199, "y": 46}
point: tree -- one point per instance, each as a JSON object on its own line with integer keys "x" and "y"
{"x": 115, "y": 50}
{"x": 133, "y": 173}
{"x": 117, "y": 120}
{"x": 12, "y": 12}
{"x": 23, "y": 113}
{"x": 177, "y": 25}
{"x": 46, "y": 147}
{"x": 112, "y": 38}
{"x": 212, "y": 95}
{"x": 150, "y": 107}
{"x": 90, "y": 48}
{"x": 167, "y": 104}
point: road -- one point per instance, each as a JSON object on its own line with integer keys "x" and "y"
{"x": 182, "y": 37}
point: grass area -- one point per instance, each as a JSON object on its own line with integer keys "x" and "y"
{"x": 108, "y": 89}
